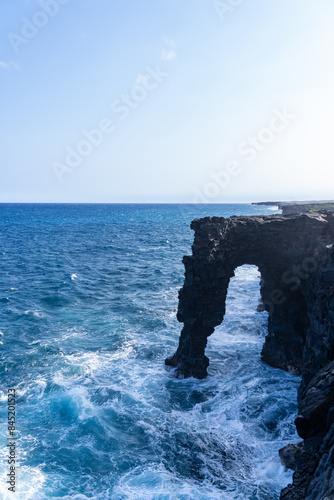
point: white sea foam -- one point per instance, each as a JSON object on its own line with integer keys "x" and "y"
{"x": 153, "y": 482}
{"x": 37, "y": 314}
{"x": 78, "y": 496}
{"x": 32, "y": 389}
{"x": 86, "y": 409}
{"x": 29, "y": 484}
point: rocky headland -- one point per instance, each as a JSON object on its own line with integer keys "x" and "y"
{"x": 295, "y": 207}
{"x": 295, "y": 256}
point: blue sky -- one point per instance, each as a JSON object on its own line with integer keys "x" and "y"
{"x": 166, "y": 100}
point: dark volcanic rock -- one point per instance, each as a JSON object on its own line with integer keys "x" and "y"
{"x": 314, "y": 476}
{"x": 295, "y": 256}
{"x": 289, "y": 455}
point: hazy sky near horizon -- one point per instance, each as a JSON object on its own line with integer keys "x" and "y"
{"x": 166, "y": 100}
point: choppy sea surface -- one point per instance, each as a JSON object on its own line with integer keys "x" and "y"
{"x": 88, "y": 299}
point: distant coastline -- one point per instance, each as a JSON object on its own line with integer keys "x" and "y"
{"x": 294, "y": 207}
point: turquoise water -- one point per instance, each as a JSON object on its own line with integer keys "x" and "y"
{"x": 88, "y": 299}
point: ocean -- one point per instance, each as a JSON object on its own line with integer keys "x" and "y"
{"x": 88, "y": 300}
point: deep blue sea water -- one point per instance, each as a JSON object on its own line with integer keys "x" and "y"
{"x": 88, "y": 299}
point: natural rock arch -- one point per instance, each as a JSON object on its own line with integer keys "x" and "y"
{"x": 291, "y": 253}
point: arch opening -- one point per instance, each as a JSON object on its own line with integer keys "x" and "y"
{"x": 245, "y": 324}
